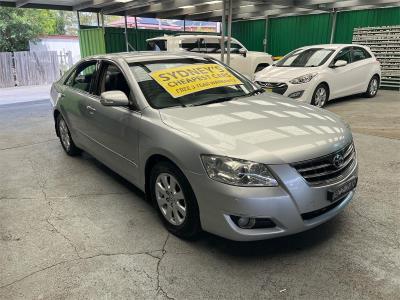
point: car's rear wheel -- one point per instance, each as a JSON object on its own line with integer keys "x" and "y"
{"x": 320, "y": 95}
{"x": 175, "y": 200}
{"x": 373, "y": 87}
{"x": 65, "y": 137}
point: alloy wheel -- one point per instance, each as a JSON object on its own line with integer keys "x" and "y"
{"x": 373, "y": 87}
{"x": 170, "y": 199}
{"x": 320, "y": 97}
{"x": 64, "y": 134}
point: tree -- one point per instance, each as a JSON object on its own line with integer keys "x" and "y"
{"x": 18, "y": 26}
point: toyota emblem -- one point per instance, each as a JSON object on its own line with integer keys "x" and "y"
{"x": 338, "y": 160}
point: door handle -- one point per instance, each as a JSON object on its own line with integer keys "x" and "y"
{"x": 90, "y": 109}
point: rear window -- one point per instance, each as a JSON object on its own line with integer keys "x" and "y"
{"x": 157, "y": 45}
{"x": 202, "y": 45}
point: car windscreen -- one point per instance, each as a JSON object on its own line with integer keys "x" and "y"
{"x": 312, "y": 57}
{"x": 159, "y": 97}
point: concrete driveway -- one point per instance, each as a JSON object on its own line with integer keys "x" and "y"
{"x": 70, "y": 228}
{"x": 20, "y": 94}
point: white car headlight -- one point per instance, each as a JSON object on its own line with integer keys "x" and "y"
{"x": 237, "y": 172}
{"x": 303, "y": 79}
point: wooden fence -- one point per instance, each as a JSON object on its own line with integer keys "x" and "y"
{"x": 6, "y": 70}
{"x": 32, "y": 68}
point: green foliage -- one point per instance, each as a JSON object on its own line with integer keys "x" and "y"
{"x": 19, "y": 26}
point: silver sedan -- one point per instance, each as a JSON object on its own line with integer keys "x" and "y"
{"x": 226, "y": 157}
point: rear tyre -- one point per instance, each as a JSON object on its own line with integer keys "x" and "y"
{"x": 176, "y": 203}
{"x": 65, "y": 137}
{"x": 373, "y": 87}
{"x": 320, "y": 95}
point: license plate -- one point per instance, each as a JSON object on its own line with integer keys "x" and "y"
{"x": 268, "y": 90}
{"x": 342, "y": 190}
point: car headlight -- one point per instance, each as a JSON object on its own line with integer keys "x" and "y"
{"x": 303, "y": 79}
{"x": 237, "y": 172}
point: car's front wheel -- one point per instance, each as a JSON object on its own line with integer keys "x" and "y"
{"x": 175, "y": 200}
{"x": 65, "y": 137}
{"x": 320, "y": 95}
{"x": 372, "y": 87}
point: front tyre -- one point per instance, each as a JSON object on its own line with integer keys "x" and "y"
{"x": 175, "y": 200}
{"x": 372, "y": 87}
{"x": 65, "y": 137}
{"x": 320, "y": 95}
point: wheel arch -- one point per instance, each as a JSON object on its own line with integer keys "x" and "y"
{"x": 151, "y": 161}
{"x": 379, "y": 77}
{"x": 261, "y": 64}
{"x": 327, "y": 85}
{"x": 56, "y": 113}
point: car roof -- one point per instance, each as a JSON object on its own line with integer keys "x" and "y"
{"x": 136, "y": 56}
{"x": 332, "y": 46}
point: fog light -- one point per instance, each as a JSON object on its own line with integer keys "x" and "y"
{"x": 296, "y": 94}
{"x": 246, "y": 223}
{"x": 252, "y": 223}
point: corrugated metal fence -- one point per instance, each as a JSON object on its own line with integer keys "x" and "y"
{"x": 32, "y": 68}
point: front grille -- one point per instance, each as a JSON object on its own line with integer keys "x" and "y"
{"x": 322, "y": 170}
{"x": 276, "y": 87}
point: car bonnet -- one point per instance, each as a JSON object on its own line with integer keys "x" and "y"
{"x": 267, "y": 128}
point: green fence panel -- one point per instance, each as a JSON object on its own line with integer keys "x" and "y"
{"x": 91, "y": 41}
{"x": 115, "y": 38}
{"x": 348, "y": 20}
{"x": 250, "y": 33}
{"x": 288, "y": 33}
{"x": 144, "y": 34}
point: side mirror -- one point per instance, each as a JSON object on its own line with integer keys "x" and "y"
{"x": 243, "y": 52}
{"x": 114, "y": 98}
{"x": 340, "y": 63}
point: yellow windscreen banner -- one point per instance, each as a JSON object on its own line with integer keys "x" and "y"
{"x": 181, "y": 81}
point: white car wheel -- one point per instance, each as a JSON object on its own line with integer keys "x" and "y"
{"x": 320, "y": 96}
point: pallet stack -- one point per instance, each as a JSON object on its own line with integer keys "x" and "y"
{"x": 385, "y": 44}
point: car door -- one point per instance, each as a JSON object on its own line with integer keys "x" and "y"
{"x": 78, "y": 89}
{"x": 362, "y": 61}
{"x": 114, "y": 129}
{"x": 342, "y": 81}
{"x": 239, "y": 61}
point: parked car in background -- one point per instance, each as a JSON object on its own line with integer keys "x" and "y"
{"x": 210, "y": 150}
{"x": 242, "y": 60}
{"x": 317, "y": 74}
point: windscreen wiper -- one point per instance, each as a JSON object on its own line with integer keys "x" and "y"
{"x": 218, "y": 100}
{"x": 252, "y": 93}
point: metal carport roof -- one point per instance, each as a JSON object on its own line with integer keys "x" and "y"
{"x": 203, "y": 10}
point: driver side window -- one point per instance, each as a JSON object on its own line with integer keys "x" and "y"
{"x": 112, "y": 79}
{"x": 83, "y": 76}
{"x": 344, "y": 54}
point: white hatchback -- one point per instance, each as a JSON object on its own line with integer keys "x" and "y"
{"x": 316, "y": 74}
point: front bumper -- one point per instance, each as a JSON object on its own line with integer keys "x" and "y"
{"x": 286, "y": 205}
{"x": 307, "y": 89}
